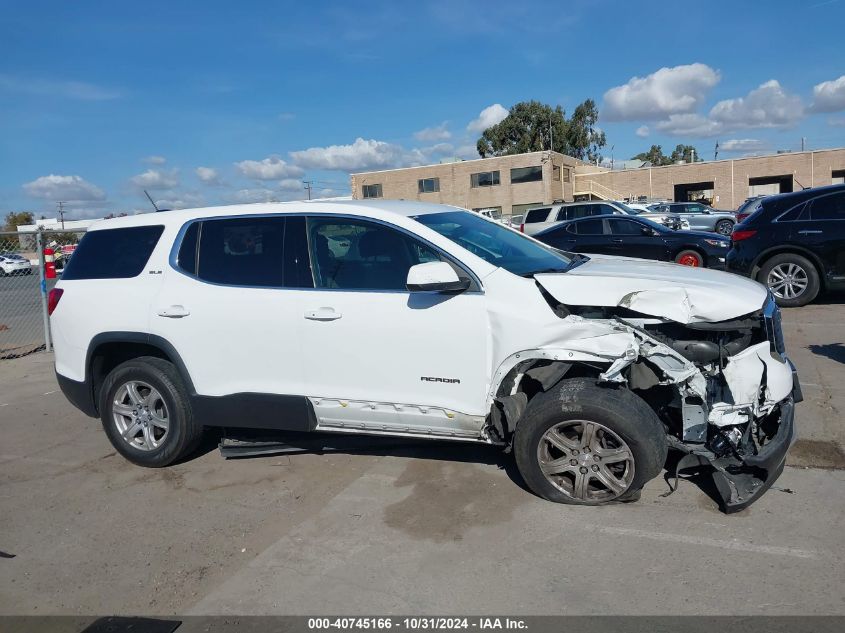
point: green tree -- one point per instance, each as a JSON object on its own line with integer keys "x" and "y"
{"x": 532, "y": 126}
{"x": 655, "y": 156}
{"x": 686, "y": 153}
{"x": 14, "y": 220}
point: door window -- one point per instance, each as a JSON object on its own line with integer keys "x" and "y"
{"x": 241, "y": 251}
{"x": 828, "y": 207}
{"x": 625, "y": 227}
{"x": 359, "y": 255}
{"x": 590, "y": 227}
{"x": 537, "y": 215}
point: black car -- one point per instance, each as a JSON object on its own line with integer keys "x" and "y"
{"x": 638, "y": 237}
{"x": 794, "y": 243}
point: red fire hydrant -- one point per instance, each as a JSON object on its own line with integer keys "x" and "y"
{"x": 49, "y": 263}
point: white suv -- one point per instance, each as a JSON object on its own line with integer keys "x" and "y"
{"x": 419, "y": 320}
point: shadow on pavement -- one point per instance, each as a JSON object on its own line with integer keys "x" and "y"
{"x": 833, "y": 351}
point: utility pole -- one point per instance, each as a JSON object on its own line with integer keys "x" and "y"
{"x": 716, "y": 152}
{"x": 61, "y": 206}
{"x": 611, "y": 156}
{"x": 551, "y": 136}
{"x": 692, "y": 154}
{"x": 803, "y": 139}
{"x": 308, "y": 184}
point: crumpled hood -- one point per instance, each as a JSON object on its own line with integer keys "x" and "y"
{"x": 680, "y": 293}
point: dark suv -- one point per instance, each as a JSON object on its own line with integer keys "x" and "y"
{"x": 794, "y": 243}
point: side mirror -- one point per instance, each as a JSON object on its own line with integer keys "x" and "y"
{"x": 435, "y": 277}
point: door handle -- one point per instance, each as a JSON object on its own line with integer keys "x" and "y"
{"x": 809, "y": 232}
{"x": 616, "y": 241}
{"x": 174, "y": 312}
{"x": 323, "y": 314}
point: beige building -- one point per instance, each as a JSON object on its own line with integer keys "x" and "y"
{"x": 509, "y": 184}
{"x": 512, "y": 184}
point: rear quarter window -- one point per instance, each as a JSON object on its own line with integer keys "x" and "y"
{"x": 536, "y": 215}
{"x": 113, "y": 253}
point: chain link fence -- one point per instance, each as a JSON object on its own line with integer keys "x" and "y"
{"x": 25, "y": 280}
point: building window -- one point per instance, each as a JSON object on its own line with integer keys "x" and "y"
{"x": 484, "y": 179}
{"x": 837, "y": 177}
{"x": 556, "y": 172}
{"x": 566, "y": 175}
{"x": 526, "y": 174}
{"x": 428, "y": 185}
{"x": 372, "y": 191}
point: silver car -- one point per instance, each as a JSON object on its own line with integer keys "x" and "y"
{"x": 13, "y": 264}
{"x": 700, "y": 216}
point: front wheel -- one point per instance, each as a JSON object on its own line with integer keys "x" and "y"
{"x": 724, "y": 227}
{"x": 146, "y": 412}
{"x": 587, "y": 445}
{"x": 690, "y": 258}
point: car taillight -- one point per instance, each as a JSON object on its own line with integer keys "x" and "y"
{"x": 741, "y": 216}
{"x": 738, "y": 236}
{"x": 53, "y": 299}
{"x": 522, "y": 228}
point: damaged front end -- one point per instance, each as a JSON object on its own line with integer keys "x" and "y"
{"x": 725, "y": 390}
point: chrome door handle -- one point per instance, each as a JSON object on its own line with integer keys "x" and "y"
{"x": 323, "y": 314}
{"x": 809, "y": 232}
{"x": 174, "y": 312}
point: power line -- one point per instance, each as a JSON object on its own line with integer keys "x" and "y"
{"x": 61, "y": 206}
{"x": 308, "y": 184}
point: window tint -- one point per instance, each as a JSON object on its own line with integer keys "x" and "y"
{"x": 372, "y": 191}
{"x": 603, "y": 209}
{"x": 428, "y": 185}
{"x": 795, "y": 214}
{"x": 590, "y": 227}
{"x": 187, "y": 257}
{"x": 484, "y": 179}
{"x": 536, "y": 215}
{"x": 625, "y": 227}
{"x": 297, "y": 266}
{"x": 526, "y": 174}
{"x": 828, "y": 207}
{"x": 242, "y": 251}
{"x": 360, "y": 255}
{"x": 113, "y": 253}
{"x": 574, "y": 212}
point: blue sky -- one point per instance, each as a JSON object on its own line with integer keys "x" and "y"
{"x": 215, "y": 102}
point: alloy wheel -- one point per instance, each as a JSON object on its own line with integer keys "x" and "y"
{"x": 689, "y": 260}
{"x": 724, "y": 228}
{"x": 787, "y": 280}
{"x": 140, "y": 415}
{"x": 586, "y": 460}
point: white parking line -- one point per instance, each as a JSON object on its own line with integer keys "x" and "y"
{"x": 733, "y": 544}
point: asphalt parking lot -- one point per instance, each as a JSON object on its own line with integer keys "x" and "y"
{"x": 393, "y": 529}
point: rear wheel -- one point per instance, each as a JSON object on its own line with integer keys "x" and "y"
{"x": 793, "y": 279}
{"x": 724, "y": 227}
{"x": 587, "y": 445}
{"x": 690, "y": 258}
{"x": 146, "y": 412}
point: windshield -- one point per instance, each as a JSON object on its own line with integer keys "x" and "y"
{"x": 495, "y": 243}
{"x": 626, "y": 208}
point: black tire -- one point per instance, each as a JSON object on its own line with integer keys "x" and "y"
{"x": 783, "y": 262}
{"x": 183, "y": 432}
{"x": 724, "y": 227}
{"x": 615, "y": 408}
{"x": 683, "y": 258}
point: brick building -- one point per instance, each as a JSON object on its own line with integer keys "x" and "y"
{"x": 514, "y": 183}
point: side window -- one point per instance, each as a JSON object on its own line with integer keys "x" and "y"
{"x": 359, "y": 255}
{"x": 536, "y": 215}
{"x": 242, "y": 251}
{"x": 590, "y": 227}
{"x": 828, "y": 207}
{"x": 625, "y": 227}
{"x": 113, "y": 253}
{"x": 187, "y": 257}
{"x": 795, "y": 214}
{"x": 604, "y": 209}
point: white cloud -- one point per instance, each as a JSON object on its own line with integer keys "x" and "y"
{"x": 156, "y": 179}
{"x": 642, "y": 131}
{"x": 488, "y": 117}
{"x": 155, "y": 160}
{"x": 271, "y": 168}
{"x": 261, "y": 194}
{"x": 292, "y": 184}
{"x": 180, "y": 201}
{"x": 362, "y": 155}
{"x": 742, "y": 145}
{"x": 668, "y": 91}
{"x": 65, "y": 188}
{"x": 434, "y": 133}
{"x": 767, "y": 106}
{"x": 80, "y": 90}
{"x": 287, "y": 116}
{"x": 836, "y": 121}
{"x": 208, "y": 175}
{"x": 829, "y": 96}
{"x": 689, "y": 125}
